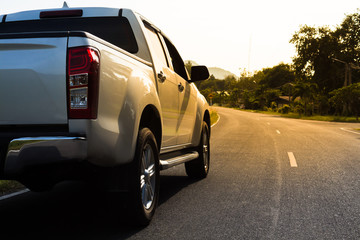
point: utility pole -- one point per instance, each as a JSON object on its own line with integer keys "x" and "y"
{"x": 249, "y": 55}
{"x": 346, "y": 71}
{"x": 348, "y": 67}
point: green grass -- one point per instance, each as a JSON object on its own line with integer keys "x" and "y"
{"x": 7, "y": 187}
{"x": 214, "y": 117}
{"x": 328, "y": 118}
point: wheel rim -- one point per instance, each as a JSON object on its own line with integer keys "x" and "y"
{"x": 147, "y": 177}
{"x": 206, "y": 151}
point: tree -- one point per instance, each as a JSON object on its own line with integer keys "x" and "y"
{"x": 349, "y": 43}
{"x": 349, "y": 38}
{"x": 277, "y": 76}
{"x": 249, "y": 100}
{"x": 234, "y": 97}
{"x": 247, "y": 84}
{"x": 270, "y": 96}
{"x": 316, "y": 48}
{"x": 306, "y": 91}
{"x": 188, "y": 66}
{"x": 347, "y": 100}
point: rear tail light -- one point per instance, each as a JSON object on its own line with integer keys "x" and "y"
{"x": 83, "y": 82}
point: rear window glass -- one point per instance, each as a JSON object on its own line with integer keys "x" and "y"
{"x": 116, "y": 30}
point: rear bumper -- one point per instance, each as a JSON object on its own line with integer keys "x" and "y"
{"x": 25, "y": 153}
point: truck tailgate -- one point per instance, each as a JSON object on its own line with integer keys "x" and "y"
{"x": 33, "y": 80}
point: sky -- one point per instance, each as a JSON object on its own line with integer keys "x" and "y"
{"x": 235, "y": 35}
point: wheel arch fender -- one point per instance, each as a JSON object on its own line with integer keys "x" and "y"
{"x": 141, "y": 102}
{"x": 151, "y": 119}
{"x": 148, "y": 111}
{"x": 202, "y": 114}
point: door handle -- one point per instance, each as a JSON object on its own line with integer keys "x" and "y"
{"x": 161, "y": 76}
{"x": 181, "y": 87}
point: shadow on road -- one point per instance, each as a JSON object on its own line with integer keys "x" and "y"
{"x": 73, "y": 211}
{"x": 171, "y": 185}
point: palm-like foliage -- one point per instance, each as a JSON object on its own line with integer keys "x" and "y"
{"x": 307, "y": 92}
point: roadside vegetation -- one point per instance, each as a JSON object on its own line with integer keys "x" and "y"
{"x": 7, "y": 187}
{"x": 322, "y": 83}
{"x": 328, "y": 118}
{"x": 214, "y": 117}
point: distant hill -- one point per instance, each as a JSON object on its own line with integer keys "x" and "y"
{"x": 218, "y": 73}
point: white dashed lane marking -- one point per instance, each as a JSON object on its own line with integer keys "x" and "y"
{"x": 292, "y": 159}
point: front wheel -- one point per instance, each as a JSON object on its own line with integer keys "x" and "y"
{"x": 144, "y": 185}
{"x": 199, "y": 168}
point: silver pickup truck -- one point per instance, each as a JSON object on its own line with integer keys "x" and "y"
{"x": 98, "y": 94}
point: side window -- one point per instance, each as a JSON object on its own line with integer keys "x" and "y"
{"x": 177, "y": 62}
{"x": 157, "y": 49}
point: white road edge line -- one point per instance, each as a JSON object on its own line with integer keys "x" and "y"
{"x": 349, "y": 131}
{"x": 292, "y": 159}
{"x": 216, "y": 121}
{"x": 278, "y": 132}
{"x": 14, "y": 194}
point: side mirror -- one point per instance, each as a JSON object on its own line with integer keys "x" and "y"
{"x": 199, "y": 73}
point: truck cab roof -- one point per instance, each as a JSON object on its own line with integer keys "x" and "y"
{"x": 68, "y": 14}
{"x": 62, "y": 12}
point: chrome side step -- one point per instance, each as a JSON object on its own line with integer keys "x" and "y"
{"x": 171, "y": 162}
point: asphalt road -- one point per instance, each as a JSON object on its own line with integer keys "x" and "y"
{"x": 253, "y": 190}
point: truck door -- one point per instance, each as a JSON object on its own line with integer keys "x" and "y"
{"x": 167, "y": 87}
{"x": 187, "y": 96}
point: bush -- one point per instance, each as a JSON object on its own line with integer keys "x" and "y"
{"x": 299, "y": 109}
{"x": 284, "y": 109}
{"x": 273, "y": 106}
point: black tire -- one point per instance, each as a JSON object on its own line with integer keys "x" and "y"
{"x": 199, "y": 168}
{"x": 145, "y": 178}
{"x": 38, "y": 185}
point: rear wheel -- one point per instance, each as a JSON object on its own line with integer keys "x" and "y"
{"x": 144, "y": 184}
{"x": 38, "y": 185}
{"x": 199, "y": 167}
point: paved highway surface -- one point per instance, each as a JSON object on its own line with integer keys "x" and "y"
{"x": 270, "y": 178}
